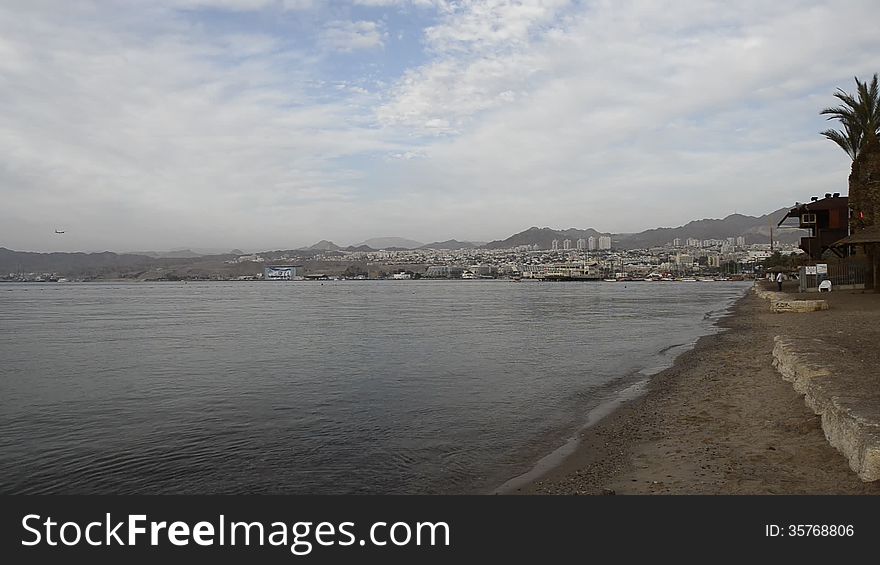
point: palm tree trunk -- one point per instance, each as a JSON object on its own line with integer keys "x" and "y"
{"x": 875, "y": 263}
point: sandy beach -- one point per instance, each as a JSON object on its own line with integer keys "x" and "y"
{"x": 722, "y": 420}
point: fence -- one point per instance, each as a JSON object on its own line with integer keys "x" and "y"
{"x": 846, "y": 274}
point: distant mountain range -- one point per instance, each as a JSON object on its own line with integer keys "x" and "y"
{"x": 542, "y": 237}
{"x": 176, "y": 254}
{"x": 754, "y": 229}
{"x": 389, "y": 242}
{"x": 393, "y": 244}
{"x": 185, "y": 253}
{"x": 24, "y": 261}
{"x": 452, "y": 244}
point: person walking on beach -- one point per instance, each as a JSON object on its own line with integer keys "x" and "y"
{"x": 779, "y": 279}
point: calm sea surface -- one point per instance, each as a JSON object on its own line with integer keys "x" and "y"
{"x": 341, "y": 387}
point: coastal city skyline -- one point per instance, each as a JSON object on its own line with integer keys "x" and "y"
{"x": 585, "y": 238}
{"x": 249, "y": 123}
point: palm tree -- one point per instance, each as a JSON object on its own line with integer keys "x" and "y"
{"x": 859, "y": 115}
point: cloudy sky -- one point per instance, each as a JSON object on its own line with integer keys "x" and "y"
{"x": 270, "y": 124}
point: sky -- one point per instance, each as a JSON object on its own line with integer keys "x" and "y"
{"x": 272, "y": 124}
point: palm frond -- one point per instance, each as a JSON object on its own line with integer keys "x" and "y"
{"x": 859, "y": 114}
{"x": 849, "y": 144}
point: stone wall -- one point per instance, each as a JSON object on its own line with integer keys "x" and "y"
{"x": 850, "y": 415}
{"x": 781, "y": 302}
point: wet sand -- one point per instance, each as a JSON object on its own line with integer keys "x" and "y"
{"x": 721, "y": 420}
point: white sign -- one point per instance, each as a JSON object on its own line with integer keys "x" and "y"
{"x": 822, "y": 269}
{"x": 811, "y": 269}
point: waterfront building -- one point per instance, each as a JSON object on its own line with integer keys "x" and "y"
{"x": 437, "y": 272}
{"x": 279, "y": 272}
{"x": 826, "y": 219}
{"x": 484, "y": 270}
{"x": 443, "y": 272}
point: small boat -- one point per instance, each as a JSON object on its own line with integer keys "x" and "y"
{"x": 610, "y": 280}
{"x": 468, "y": 275}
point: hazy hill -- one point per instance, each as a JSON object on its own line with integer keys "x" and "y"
{"x": 389, "y": 242}
{"x": 324, "y": 245}
{"x": 28, "y": 262}
{"x": 174, "y": 254}
{"x": 754, "y": 229}
{"x": 543, "y": 237}
{"x": 451, "y": 244}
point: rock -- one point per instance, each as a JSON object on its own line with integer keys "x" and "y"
{"x": 780, "y": 306}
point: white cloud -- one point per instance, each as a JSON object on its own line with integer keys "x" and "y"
{"x": 149, "y": 127}
{"x": 483, "y": 58}
{"x": 399, "y": 3}
{"x": 347, "y": 36}
{"x": 493, "y": 24}
{"x": 298, "y": 4}
{"x": 133, "y": 140}
{"x": 231, "y": 5}
{"x": 566, "y": 117}
{"x": 238, "y": 5}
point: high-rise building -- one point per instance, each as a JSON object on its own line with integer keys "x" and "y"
{"x": 684, "y": 259}
{"x": 566, "y": 244}
{"x": 591, "y": 243}
{"x": 604, "y": 242}
{"x": 555, "y": 245}
{"x": 741, "y": 241}
{"x": 581, "y": 244}
{"x": 676, "y": 242}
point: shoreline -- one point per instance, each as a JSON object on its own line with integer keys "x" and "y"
{"x": 625, "y": 390}
{"x": 628, "y": 389}
{"x": 720, "y": 420}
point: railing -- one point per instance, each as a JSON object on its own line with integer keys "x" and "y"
{"x": 849, "y": 273}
